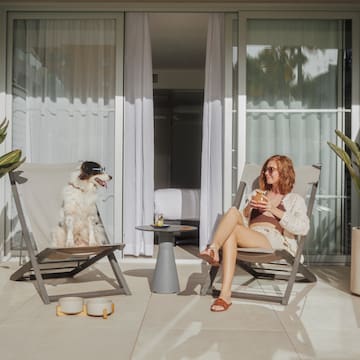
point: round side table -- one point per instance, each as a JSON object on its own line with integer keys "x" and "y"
{"x": 165, "y": 279}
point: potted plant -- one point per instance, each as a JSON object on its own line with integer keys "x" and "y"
{"x": 12, "y": 159}
{"x": 352, "y": 163}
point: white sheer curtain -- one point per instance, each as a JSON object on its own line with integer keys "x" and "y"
{"x": 212, "y": 145}
{"x": 138, "y": 136}
{"x": 63, "y": 94}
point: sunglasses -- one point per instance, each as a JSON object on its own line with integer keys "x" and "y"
{"x": 99, "y": 169}
{"x": 270, "y": 170}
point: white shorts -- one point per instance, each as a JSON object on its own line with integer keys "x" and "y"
{"x": 276, "y": 240}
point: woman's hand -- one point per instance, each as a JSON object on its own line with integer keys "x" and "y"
{"x": 247, "y": 209}
{"x": 264, "y": 204}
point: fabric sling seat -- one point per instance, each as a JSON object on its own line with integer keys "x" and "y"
{"x": 37, "y": 192}
{"x": 272, "y": 264}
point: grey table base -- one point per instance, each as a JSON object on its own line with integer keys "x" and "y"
{"x": 165, "y": 279}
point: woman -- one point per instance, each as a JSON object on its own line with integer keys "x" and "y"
{"x": 268, "y": 221}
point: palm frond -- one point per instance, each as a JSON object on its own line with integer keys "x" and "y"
{"x": 352, "y": 146}
{"x": 352, "y": 163}
{"x": 3, "y": 128}
{"x": 12, "y": 159}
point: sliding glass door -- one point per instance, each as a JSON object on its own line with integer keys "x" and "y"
{"x": 65, "y": 82}
{"x": 298, "y": 91}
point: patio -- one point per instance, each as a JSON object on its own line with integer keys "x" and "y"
{"x": 322, "y": 321}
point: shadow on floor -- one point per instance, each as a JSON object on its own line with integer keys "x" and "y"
{"x": 195, "y": 279}
{"x": 336, "y": 276}
{"x": 142, "y": 273}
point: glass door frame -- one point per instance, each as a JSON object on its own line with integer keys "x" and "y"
{"x": 230, "y": 98}
{"x": 119, "y": 105}
{"x": 4, "y": 146}
{"x": 355, "y": 107}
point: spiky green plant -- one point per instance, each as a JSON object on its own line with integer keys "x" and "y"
{"x": 12, "y": 159}
{"x": 352, "y": 163}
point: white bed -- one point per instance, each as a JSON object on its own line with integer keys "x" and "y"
{"x": 178, "y": 204}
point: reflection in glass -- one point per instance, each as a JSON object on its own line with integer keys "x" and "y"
{"x": 63, "y": 87}
{"x": 296, "y": 98}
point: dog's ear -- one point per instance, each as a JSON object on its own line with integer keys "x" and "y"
{"x": 83, "y": 176}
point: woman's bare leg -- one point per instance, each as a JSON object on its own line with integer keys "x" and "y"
{"x": 227, "y": 224}
{"x": 228, "y": 266}
{"x": 240, "y": 237}
{"x": 225, "y": 228}
{"x": 246, "y": 237}
{"x": 228, "y": 270}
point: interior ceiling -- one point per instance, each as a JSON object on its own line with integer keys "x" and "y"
{"x": 178, "y": 40}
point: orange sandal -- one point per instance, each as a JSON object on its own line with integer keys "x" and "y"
{"x": 209, "y": 255}
{"x": 220, "y": 302}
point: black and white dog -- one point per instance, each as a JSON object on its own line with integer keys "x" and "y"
{"x": 79, "y": 223}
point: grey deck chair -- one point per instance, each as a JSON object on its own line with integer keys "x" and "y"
{"x": 272, "y": 264}
{"x": 37, "y": 191}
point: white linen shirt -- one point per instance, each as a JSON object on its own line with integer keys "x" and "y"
{"x": 294, "y": 221}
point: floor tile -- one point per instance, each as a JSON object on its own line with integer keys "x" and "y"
{"x": 321, "y": 321}
{"x": 327, "y": 344}
{"x": 195, "y": 342}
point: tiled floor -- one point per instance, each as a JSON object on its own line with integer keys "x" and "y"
{"x": 322, "y": 321}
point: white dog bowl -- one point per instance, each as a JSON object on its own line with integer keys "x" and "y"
{"x": 71, "y": 304}
{"x": 99, "y": 307}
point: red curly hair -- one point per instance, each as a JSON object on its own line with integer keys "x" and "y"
{"x": 286, "y": 173}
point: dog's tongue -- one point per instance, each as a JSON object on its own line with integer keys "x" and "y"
{"x": 101, "y": 182}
